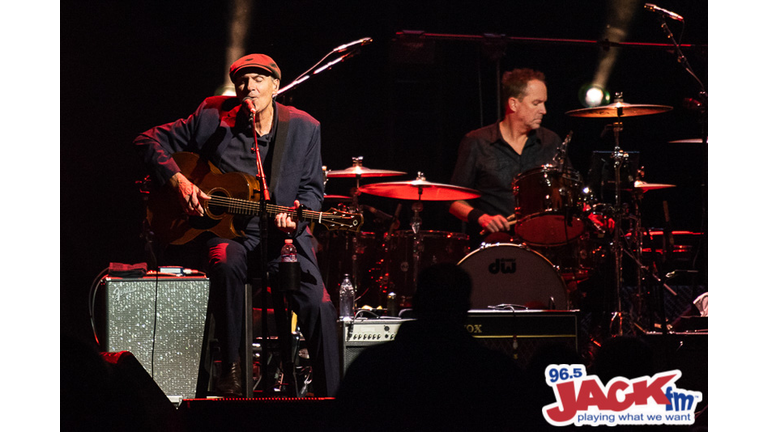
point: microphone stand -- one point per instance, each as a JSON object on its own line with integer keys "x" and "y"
{"x": 264, "y": 236}
{"x": 259, "y": 166}
{"x": 284, "y": 337}
{"x": 316, "y": 70}
{"x": 704, "y": 132}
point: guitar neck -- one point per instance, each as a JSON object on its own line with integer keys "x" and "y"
{"x": 255, "y": 208}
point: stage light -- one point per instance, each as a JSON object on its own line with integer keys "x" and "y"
{"x": 592, "y": 95}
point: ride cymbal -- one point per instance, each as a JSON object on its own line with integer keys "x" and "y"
{"x": 618, "y": 110}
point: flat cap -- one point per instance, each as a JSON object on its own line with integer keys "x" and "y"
{"x": 256, "y": 61}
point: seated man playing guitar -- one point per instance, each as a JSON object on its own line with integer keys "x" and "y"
{"x": 221, "y": 133}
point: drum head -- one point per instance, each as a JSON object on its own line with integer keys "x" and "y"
{"x": 513, "y": 275}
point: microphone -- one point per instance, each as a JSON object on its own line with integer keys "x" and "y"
{"x": 345, "y": 47}
{"x": 654, "y": 8}
{"x": 378, "y": 214}
{"x": 249, "y": 104}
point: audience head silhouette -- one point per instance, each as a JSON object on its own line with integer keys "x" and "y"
{"x": 443, "y": 293}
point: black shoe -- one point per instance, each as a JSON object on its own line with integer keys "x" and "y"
{"x": 230, "y": 383}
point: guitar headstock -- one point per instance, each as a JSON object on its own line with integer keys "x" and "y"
{"x": 335, "y": 219}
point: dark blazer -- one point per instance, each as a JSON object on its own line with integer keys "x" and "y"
{"x": 219, "y": 131}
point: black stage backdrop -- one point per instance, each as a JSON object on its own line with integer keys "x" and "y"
{"x": 401, "y": 104}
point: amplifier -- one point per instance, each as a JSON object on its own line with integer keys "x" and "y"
{"x": 359, "y": 334}
{"x": 520, "y": 334}
{"x": 162, "y": 322}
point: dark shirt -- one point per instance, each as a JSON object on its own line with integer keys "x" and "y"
{"x": 488, "y": 164}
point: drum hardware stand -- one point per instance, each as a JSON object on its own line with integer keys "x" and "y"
{"x": 619, "y": 157}
{"x": 417, "y": 207}
{"x": 355, "y": 208}
{"x": 636, "y": 240}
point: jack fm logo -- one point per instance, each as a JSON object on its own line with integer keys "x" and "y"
{"x": 583, "y": 399}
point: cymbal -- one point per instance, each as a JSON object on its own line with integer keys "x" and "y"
{"x": 336, "y": 198}
{"x": 361, "y": 171}
{"x": 420, "y": 189}
{"x": 688, "y": 141}
{"x": 618, "y": 109}
{"x": 645, "y": 187}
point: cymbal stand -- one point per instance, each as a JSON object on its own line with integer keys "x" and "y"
{"x": 355, "y": 208}
{"x": 637, "y": 240}
{"x": 417, "y": 207}
{"x": 634, "y": 251}
{"x": 619, "y": 157}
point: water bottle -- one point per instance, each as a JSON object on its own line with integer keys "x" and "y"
{"x": 346, "y": 299}
{"x": 290, "y": 273}
{"x": 288, "y": 252}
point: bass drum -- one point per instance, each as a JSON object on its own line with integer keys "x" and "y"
{"x": 511, "y": 274}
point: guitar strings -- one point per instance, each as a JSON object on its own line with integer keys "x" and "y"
{"x": 242, "y": 206}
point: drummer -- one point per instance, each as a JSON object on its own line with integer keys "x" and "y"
{"x": 490, "y": 157}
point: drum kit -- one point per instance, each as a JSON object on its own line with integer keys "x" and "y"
{"x": 386, "y": 268}
{"x": 556, "y": 215}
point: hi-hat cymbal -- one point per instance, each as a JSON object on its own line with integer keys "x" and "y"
{"x": 420, "y": 189}
{"x": 645, "y": 187}
{"x": 361, "y": 171}
{"x": 618, "y": 109}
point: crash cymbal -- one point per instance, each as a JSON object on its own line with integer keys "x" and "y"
{"x": 644, "y": 186}
{"x": 357, "y": 171}
{"x": 420, "y": 189}
{"x": 361, "y": 171}
{"x": 619, "y": 109}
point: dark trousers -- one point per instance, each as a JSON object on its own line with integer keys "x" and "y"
{"x": 228, "y": 270}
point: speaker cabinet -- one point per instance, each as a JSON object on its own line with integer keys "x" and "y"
{"x": 162, "y": 322}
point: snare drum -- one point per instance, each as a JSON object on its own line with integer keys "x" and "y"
{"x": 549, "y": 206}
{"x": 507, "y": 273}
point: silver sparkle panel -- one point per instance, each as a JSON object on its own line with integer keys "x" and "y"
{"x": 161, "y": 321}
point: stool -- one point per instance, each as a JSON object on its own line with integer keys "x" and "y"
{"x": 285, "y": 327}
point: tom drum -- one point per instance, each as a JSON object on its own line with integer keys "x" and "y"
{"x": 549, "y": 206}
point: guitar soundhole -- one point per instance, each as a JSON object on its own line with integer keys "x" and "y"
{"x": 215, "y": 208}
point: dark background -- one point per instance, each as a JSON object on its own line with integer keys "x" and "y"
{"x": 128, "y": 66}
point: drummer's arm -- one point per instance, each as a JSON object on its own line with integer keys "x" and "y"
{"x": 467, "y": 213}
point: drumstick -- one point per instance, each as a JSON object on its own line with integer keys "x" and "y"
{"x": 510, "y": 219}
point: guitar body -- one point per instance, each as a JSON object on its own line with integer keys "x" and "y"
{"x": 169, "y": 220}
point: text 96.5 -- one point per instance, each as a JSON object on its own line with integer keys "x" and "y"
{"x": 560, "y": 373}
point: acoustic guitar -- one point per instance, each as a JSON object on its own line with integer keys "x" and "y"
{"x": 233, "y": 195}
